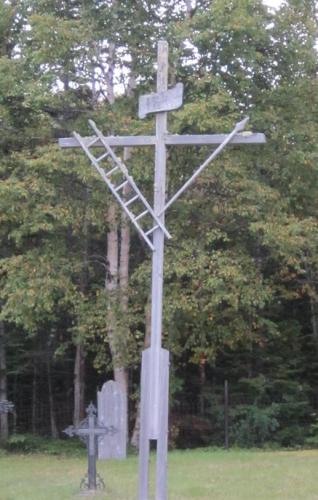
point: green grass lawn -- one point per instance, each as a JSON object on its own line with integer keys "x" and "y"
{"x": 196, "y": 474}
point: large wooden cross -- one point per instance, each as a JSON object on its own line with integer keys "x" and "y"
{"x": 155, "y": 360}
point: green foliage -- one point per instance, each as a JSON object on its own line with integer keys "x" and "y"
{"x": 253, "y": 426}
{"x": 279, "y": 413}
{"x": 28, "y": 443}
{"x": 312, "y": 438}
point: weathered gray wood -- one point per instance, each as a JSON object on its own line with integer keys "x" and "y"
{"x": 158, "y": 243}
{"x": 124, "y": 141}
{"x": 112, "y": 412}
{"x": 162, "y": 443}
{"x": 153, "y": 387}
{"x": 144, "y": 444}
{"x": 200, "y": 140}
{"x": 170, "y": 140}
{"x": 155, "y": 370}
{"x": 166, "y": 100}
{"x": 146, "y": 413}
{"x": 117, "y": 164}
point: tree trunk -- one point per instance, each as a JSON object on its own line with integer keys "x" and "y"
{"x": 226, "y": 414}
{"x": 202, "y": 378}
{"x": 191, "y": 8}
{"x": 4, "y": 428}
{"x": 110, "y": 73}
{"x": 116, "y": 283}
{"x": 117, "y": 345}
{"x": 121, "y": 372}
{"x": 54, "y": 431}
{"x": 314, "y": 320}
{"x": 111, "y": 279}
{"x": 79, "y": 381}
{"x": 79, "y": 365}
{"x": 135, "y": 434}
{"x": 34, "y": 399}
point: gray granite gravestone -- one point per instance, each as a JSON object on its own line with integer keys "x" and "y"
{"x": 112, "y": 412}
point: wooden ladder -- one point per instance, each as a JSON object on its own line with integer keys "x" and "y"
{"x": 118, "y": 167}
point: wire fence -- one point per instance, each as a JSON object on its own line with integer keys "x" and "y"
{"x": 211, "y": 418}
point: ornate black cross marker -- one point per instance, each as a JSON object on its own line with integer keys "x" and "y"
{"x": 89, "y": 431}
{"x": 6, "y": 406}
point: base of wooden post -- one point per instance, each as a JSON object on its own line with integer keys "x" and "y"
{"x": 146, "y": 414}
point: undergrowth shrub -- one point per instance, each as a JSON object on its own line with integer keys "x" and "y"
{"x": 28, "y": 443}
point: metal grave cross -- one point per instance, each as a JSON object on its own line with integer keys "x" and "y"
{"x": 6, "y": 406}
{"x": 89, "y": 431}
{"x": 150, "y": 223}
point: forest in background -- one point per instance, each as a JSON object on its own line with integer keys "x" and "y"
{"x": 241, "y": 296}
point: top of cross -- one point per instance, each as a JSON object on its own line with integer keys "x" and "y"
{"x": 91, "y": 410}
{"x": 115, "y": 173}
{"x": 89, "y": 427}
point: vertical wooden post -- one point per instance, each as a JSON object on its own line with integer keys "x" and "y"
{"x": 144, "y": 443}
{"x": 226, "y": 414}
{"x": 155, "y": 362}
{"x": 158, "y": 241}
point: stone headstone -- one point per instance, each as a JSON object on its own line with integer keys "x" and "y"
{"x": 112, "y": 412}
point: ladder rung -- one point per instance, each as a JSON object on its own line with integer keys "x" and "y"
{"x": 118, "y": 188}
{"x": 151, "y": 230}
{"x": 132, "y": 200}
{"x": 102, "y": 157}
{"x": 110, "y": 172}
{"x": 90, "y": 144}
{"x": 141, "y": 215}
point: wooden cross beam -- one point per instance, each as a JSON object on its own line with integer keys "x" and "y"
{"x": 169, "y": 140}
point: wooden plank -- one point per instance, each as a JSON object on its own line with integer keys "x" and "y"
{"x": 170, "y": 140}
{"x": 158, "y": 242}
{"x": 121, "y": 141}
{"x": 144, "y": 443}
{"x": 166, "y": 100}
{"x": 162, "y": 443}
{"x": 200, "y": 140}
{"x": 146, "y": 417}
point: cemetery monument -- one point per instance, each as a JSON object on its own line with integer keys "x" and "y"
{"x": 150, "y": 223}
{"x": 89, "y": 431}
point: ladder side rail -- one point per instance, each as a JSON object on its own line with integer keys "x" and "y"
{"x": 108, "y": 148}
{"x": 149, "y": 208}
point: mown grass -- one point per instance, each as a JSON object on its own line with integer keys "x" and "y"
{"x": 196, "y": 474}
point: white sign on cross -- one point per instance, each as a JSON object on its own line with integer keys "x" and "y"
{"x": 155, "y": 360}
